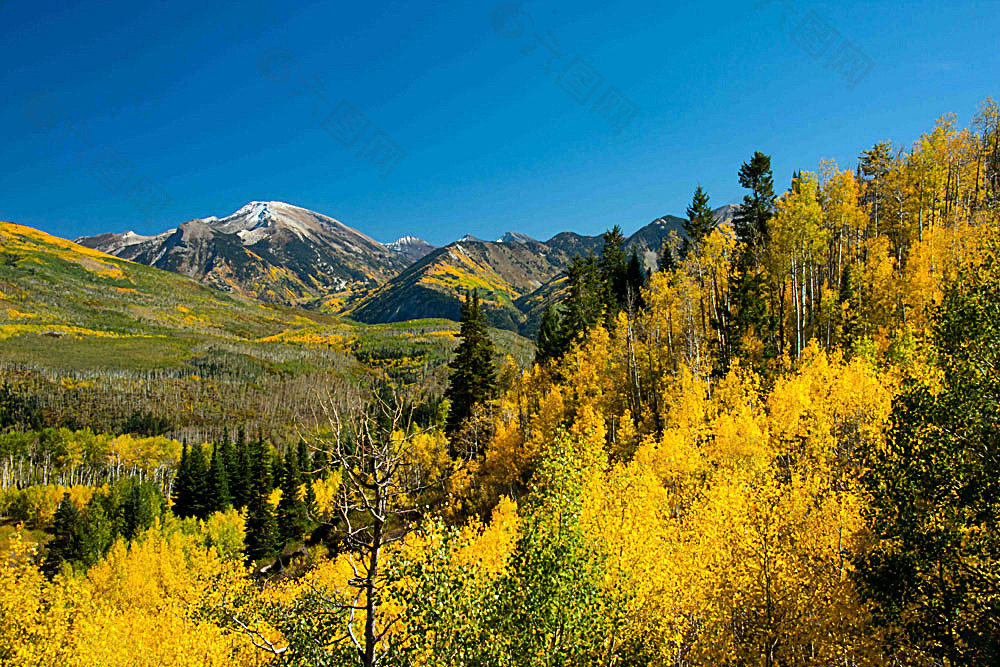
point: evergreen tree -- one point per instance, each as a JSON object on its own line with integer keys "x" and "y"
{"x": 750, "y": 223}
{"x": 700, "y": 222}
{"x": 749, "y": 291}
{"x": 635, "y": 280}
{"x": 302, "y": 452}
{"x": 66, "y": 545}
{"x": 239, "y": 477}
{"x": 667, "y": 258}
{"x": 18, "y": 410}
{"x": 181, "y": 488}
{"x": 552, "y": 341}
{"x": 320, "y": 464}
{"x": 198, "y": 480}
{"x": 292, "y": 510}
{"x": 850, "y": 325}
{"x": 613, "y": 271}
{"x": 229, "y": 458}
{"x": 217, "y": 492}
{"x": 473, "y": 375}
{"x": 141, "y": 506}
{"x": 585, "y": 302}
{"x": 261, "y": 524}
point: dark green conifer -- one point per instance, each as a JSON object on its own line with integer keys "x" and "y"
{"x": 66, "y": 545}
{"x": 473, "y": 374}
{"x": 261, "y": 525}
{"x": 218, "y": 497}
{"x": 552, "y": 341}
{"x": 181, "y": 488}
{"x": 292, "y": 509}
{"x": 700, "y": 222}
{"x": 198, "y": 479}
{"x": 239, "y": 477}
{"x": 141, "y": 506}
{"x": 635, "y": 280}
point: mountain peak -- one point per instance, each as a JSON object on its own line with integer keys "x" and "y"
{"x": 515, "y": 237}
{"x": 411, "y": 247}
{"x": 266, "y": 249}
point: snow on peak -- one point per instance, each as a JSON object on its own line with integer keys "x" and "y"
{"x": 515, "y": 237}
{"x": 404, "y": 241}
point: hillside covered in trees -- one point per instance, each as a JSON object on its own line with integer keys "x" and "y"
{"x": 780, "y": 448}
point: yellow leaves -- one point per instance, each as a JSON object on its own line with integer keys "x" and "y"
{"x": 70, "y": 383}
{"x": 325, "y": 491}
{"x": 489, "y": 548}
{"x": 18, "y": 315}
{"x": 33, "y": 625}
{"x": 829, "y": 410}
{"x": 742, "y": 516}
{"x": 427, "y": 452}
{"x": 274, "y": 498}
{"x": 225, "y": 532}
{"x": 140, "y": 606}
{"x": 132, "y": 638}
{"x": 37, "y": 504}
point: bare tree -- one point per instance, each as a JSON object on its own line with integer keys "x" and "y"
{"x": 368, "y": 439}
{"x": 376, "y": 507}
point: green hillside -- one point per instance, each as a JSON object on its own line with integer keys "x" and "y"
{"x": 97, "y": 337}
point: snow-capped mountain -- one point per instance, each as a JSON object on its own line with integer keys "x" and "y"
{"x": 411, "y": 247}
{"x": 269, "y": 250}
{"x": 515, "y": 237}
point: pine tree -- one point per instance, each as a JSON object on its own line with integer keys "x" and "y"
{"x": 292, "y": 509}
{"x": 635, "y": 280}
{"x": 217, "y": 492}
{"x": 261, "y": 525}
{"x": 552, "y": 341}
{"x": 65, "y": 545}
{"x": 667, "y": 258}
{"x": 850, "y": 325}
{"x": 140, "y": 508}
{"x": 700, "y": 222}
{"x": 198, "y": 480}
{"x": 239, "y": 477}
{"x": 320, "y": 464}
{"x": 750, "y": 223}
{"x": 749, "y": 291}
{"x": 302, "y": 452}
{"x": 181, "y": 489}
{"x": 585, "y": 303}
{"x": 229, "y": 458}
{"x": 613, "y": 268}
{"x": 473, "y": 374}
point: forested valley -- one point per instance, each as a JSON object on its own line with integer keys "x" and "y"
{"x": 782, "y": 447}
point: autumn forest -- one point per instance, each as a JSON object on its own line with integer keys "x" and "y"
{"x": 778, "y": 443}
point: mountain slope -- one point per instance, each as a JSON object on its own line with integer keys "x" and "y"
{"x": 99, "y": 337}
{"x": 77, "y": 306}
{"x": 271, "y": 251}
{"x": 433, "y": 286}
{"x": 516, "y": 276}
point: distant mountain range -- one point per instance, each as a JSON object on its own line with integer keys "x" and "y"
{"x": 279, "y": 253}
{"x": 271, "y": 251}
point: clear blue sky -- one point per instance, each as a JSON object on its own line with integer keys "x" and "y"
{"x": 217, "y": 106}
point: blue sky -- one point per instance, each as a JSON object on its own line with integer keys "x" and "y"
{"x": 438, "y": 119}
